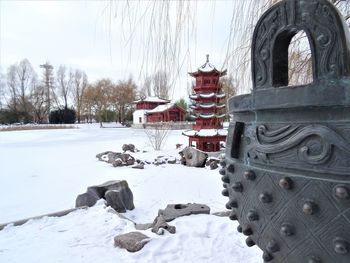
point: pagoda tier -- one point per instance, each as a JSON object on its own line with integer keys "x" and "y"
{"x": 208, "y": 109}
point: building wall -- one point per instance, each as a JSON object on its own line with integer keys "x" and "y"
{"x": 173, "y": 114}
{"x": 139, "y": 117}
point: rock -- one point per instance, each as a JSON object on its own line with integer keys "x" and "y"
{"x": 117, "y": 194}
{"x": 159, "y": 223}
{"x": 193, "y": 157}
{"x": 128, "y": 147}
{"x": 178, "y": 145}
{"x": 103, "y": 156}
{"x": 172, "y": 160}
{"x": 213, "y": 165}
{"x": 173, "y": 211}
{"x": 143, "y": 226}
{"x": 86, "y": 199}
{"x": 139, "y": 166}
{"x": 118, "y": 163}
{"x": 120, "y": 200}
{"x": 222, "y": 214}
{"x": 132, "y": 242}
{"x": 112, "y": 156}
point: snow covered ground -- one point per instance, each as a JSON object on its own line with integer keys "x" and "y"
{"x": 43, "y": 171}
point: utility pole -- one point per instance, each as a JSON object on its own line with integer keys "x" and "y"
{"x": 47, "y": 75}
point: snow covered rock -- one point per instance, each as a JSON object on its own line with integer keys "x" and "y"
{"x": 139, "y": 166}
{"x": 159, "y": 225}
{"x": 128, "y": 147}
{"x": 116, "y": 159}
{"x": 117, "y": 194}
{"x": 173, "y": 211}
{"x": 132, "y": 242}
{"x": 193, "y": 157}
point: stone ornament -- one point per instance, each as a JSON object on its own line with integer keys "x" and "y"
{"x": 287, "y": 165}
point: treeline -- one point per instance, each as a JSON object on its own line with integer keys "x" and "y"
{"x": 62, "y": 96}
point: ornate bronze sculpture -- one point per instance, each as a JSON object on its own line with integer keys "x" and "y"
{"x": 287, "y": 165}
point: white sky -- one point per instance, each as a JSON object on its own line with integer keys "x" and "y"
{"x": 80, "y": 34}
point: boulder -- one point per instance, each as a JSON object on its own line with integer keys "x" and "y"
{"x": 139, "y": 166}
{"x": 173, "y": 211}
{"x": 159, "y": 225}
{"x": 103, "y": 156}
{"x": 132, "y": 242}
{"x": 193, "y": 157}
{"x": 117, "y": 194}
{"x": 118, "y": 163}
{"x": 128, "y": 147}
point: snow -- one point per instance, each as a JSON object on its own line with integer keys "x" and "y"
{"x": 43, "y": 171}
{"x": 161, "y": 108}
{"x": 207, "y": 95}
{"x": 207, "y": 105}
{"x": 207, "y": 67}
{"x": 206, "y": 132}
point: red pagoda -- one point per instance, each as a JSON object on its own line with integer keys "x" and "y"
{"x": 208, "y": 109}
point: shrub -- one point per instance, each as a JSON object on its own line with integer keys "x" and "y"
{"x": 62, "y": 116}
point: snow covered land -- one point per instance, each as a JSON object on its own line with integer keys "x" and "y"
{"x": 42, "y": 171}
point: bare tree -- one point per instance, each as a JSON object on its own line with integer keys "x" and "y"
{"x": 79, "y": 85}
{"x": 146, "y": 89}
{"x": 99, "y": 95}
{"x": 2, "y": 88}
{"x": 64, "y": 84}
{"x": 38, "y": 100}
{"x": 157, "y": 134}
{"x": 122, "y": 96}
{"x": 160, "y": 84}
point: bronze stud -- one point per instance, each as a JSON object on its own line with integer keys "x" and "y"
{"x": 314, "y": 260}
{"x": 233, "y": 216}
{"x": 340, "y": 246}
{"x": 225, "y": 192}
{"x": 222, "y": 171}
{"x": 223, "y": 163}
{"x": 272, "y": 246}
{"x": 252, "y": 216}
{"x": 249, "y": 175}
{"x": 267, "y": 257}
{"x": 224, "y": 185}
{"x": 225, "y": 179}
{"x": 250, "y": 242}
{"x": 309, "y": 208}
{"x": 342, "y": 192}
{"x": 286, "y": 183}
{"x": 237, "y": 187}
{"x": 265, "y": 198}
{"x": 232, "y": 204}
{"x": 247, "y": 231}
{"x": 287, "y": 230}
{"x": 239, "y": 229}
{"x": 231, "y": 168}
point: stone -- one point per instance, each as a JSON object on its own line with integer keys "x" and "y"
{"x": 173, "y": 211}
{"x": 117, "y": 194}
{"x": 290, "y": 145}
{"x": 178, "y": 145}
{"x": 193, "y": 157}
{"x": 143, "y": 226}
{"x": 172, "y": 160}
{"x": 128, "y": 147}
{"x": 222, "y": 213}
{"x": 118, "y": 163}
{"x": 120, "y": 200}
{"x": 103, "y": 156}
{"x": 139, "y": 166}
{"x": 132, "y": 242}
{"x": 159, "y": 223}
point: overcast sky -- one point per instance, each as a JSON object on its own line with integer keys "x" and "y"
{"x": 86, "y": 35}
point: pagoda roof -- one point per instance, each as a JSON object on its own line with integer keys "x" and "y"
{"x": 205, "y": 133}
{"x": 152, "y": 99}
{"x": 207, "y": 67}
{"x": 208, "y": 116}
{"x": 208, "y": 105}
{"x": 207, "y": 95}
